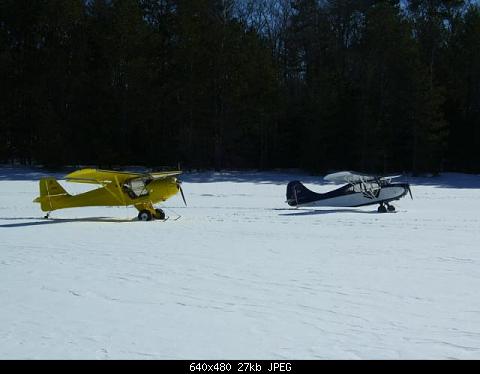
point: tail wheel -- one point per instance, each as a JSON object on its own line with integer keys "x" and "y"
{"x": 144, "y": 216}
{"x": 159, "y": 214}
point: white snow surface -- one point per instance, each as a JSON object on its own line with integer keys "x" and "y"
{"x": 241, "y": 275}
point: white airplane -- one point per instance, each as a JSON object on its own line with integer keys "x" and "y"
{"x": 360, "y": 190}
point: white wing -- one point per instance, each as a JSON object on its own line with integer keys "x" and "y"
{"x": 390, "y": 177}
{"x": 348, "y": 177}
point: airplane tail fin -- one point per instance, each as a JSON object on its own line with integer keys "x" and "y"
{"x": 50, "y": 192}
{"x": 297, "y": 193}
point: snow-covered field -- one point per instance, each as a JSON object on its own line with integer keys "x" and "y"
{"x": 240, "y": 276}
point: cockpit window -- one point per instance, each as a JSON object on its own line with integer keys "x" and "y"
{"x": 364, "y": 187}
{"x": 358, "y": 187}
{"x": 137, "y": 188}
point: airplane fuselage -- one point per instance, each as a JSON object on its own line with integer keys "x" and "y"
{"x": 347, "y": 196}
{"x": 113, "y": 195}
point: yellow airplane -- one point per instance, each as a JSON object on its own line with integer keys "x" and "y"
{"x": 141, "y": 190}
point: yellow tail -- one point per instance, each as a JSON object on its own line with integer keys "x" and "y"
{"x": 50, "y": 192}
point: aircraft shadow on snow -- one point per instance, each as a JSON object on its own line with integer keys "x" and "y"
{"x": 51, "y": 221}
{"x": 326, "y": 211}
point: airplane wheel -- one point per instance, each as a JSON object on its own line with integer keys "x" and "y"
{"x": 382, "y": 209}
{"x": 145, "y": 216}
{"x": 159, "y": 214}
{"x": 391, "y": 208}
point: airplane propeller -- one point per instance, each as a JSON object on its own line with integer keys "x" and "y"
{"x": 179, "y": 186}
{"x": 410, "y": 192}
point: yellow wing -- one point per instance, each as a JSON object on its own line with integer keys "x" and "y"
{"x": 164, "y": 174}
{"x": 104, "y": 177}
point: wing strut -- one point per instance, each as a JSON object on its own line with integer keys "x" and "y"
{"x": 120, "y": 191}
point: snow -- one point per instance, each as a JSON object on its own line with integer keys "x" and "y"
{"x": 242, "y": 276}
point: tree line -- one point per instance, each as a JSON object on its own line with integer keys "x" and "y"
{"x": 323, "y": 85}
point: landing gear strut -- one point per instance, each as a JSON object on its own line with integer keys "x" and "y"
{"x": 47, "y": 216}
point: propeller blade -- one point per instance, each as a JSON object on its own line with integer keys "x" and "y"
{"x": 410, "y": 191}
{"x": 183, "y": 196}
